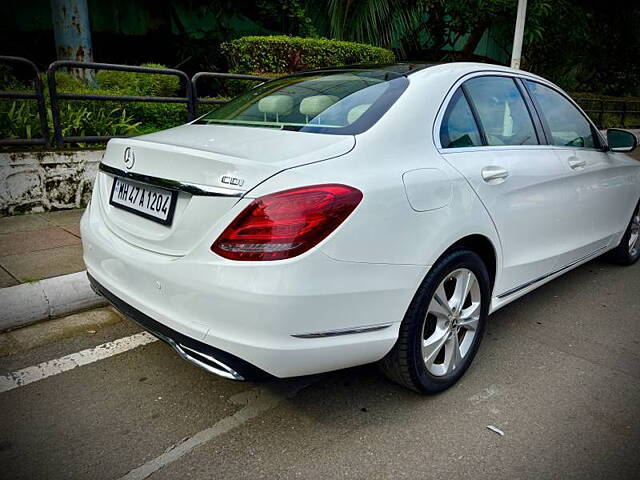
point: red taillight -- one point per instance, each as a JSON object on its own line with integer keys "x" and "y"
{"x": 288, "y": 223}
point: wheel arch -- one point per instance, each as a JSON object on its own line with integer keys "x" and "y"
{"x": 483, "y": 247}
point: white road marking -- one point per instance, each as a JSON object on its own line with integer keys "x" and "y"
{"x": 43, "y": 370}
{"x": 256, "y": 402}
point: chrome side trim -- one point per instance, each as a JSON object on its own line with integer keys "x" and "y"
{"x": 555, "y": 272}
{"x": 344, "y": 331}
{"x": 192, "y": 188}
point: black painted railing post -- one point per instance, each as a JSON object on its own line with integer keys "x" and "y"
{"x": 42, "y": 110}
{"x": 37, "y": 95}
{"x": 55, "y": 107}
{"x": 191, "y": 107}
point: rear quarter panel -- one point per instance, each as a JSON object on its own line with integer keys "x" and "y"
{"x": 385, "y": 228}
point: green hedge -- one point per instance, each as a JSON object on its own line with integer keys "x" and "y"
{"x": 129, "y": 83}
{"x": 281, "y": 54}
{"x": 151, "y": 116}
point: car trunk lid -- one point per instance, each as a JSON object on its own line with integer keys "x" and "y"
{"x": 210, "y": 167}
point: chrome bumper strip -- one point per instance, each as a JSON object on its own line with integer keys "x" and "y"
{"x": 345, "y": 331}
{"x": 192, "y": 188}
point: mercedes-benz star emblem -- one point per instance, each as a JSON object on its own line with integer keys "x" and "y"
{"x": 129, "y": 158}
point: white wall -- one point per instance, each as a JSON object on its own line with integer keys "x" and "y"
{"x": 33, "y": 182}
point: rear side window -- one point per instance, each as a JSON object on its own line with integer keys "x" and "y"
{"x": 569, "y": 128}
{"x": 502, "y": 111}
{"x": 459, "y": 128}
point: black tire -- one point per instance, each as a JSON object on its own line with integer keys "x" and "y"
{"x": 404, "y": 364}
{"x": 623, "y": 254}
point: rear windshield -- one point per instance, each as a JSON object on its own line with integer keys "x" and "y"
{"x": 337, "y": 102}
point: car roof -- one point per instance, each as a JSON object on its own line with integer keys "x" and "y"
{"x": 455, "y": 69}
{"x": 459, "y": 69}
{"x": 398, "y": 68}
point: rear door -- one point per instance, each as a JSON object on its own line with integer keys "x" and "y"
{"x": 488, "y": 133}
{"x": 600, "y": 190}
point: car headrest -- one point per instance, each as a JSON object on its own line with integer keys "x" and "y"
{"x": 315, "y": 105}
{"x": 278, "y": 104}
{"x": 356, "y": 112}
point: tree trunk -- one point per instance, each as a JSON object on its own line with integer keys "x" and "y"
{"x": 472, "y": 42}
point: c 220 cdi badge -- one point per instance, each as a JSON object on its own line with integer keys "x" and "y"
{"x": 340, "y": 217}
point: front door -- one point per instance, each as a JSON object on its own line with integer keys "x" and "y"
{"x": 600, "y": 185}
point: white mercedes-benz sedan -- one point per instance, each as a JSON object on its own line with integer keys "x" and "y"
{"x": 346, "y": 216}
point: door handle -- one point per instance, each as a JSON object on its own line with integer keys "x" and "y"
{"x": 576, "y": 163}
{"x": 494, "y": 175}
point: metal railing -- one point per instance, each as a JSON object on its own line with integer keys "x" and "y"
{"x": 56, "y": 97}
{"x": 597, "y": 108}
{"x": 37, "y": 95}
{"x": 190, "y": 98}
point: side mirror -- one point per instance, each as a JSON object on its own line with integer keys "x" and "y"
{"x": 621, "y": 140}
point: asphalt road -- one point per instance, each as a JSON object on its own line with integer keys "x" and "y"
{"x": 558, "y": 372}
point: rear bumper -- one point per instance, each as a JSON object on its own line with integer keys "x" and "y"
{"x": 200, "y": 354}
{"x": 301, "y": 316}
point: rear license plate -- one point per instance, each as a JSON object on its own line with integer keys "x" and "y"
{"x": 153, "y": 203}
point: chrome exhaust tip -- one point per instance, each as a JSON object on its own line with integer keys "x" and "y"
{"x": 206, "y": 362}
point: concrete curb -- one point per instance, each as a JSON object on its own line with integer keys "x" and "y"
{"x": 48, "y": 298}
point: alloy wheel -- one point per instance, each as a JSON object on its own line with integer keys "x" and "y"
{"x": 451, "y": 322}
{"x": 634, "y": 238}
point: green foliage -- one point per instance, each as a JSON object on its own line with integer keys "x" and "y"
{"x": 8, "y": 80}
{"x": 580, "y": 45}
{"x": 148, "y": 117}
{"x": 593, "y": 101}
{"x": 385, "y": 23}
{"x": 600, "y": 52}
{"x": 282, "y": 54}
{"x": 128, "y": 83}
{"x": 286, "y": 16}
{"x": 434, "y": 30}
{"x": 66, "y": 83}
{"x": 158, "y": 116}
{"x": 19, "y": 118}
{"x": 88, "y": 120}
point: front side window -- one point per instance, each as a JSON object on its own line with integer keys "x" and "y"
{"x": 502, "y": 111}
{"x": 458, "y": 127}
{"x": 338, "y": 102}
{"x": 569, "y": 128}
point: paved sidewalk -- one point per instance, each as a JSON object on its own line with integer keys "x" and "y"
{"x": 44, "y": 245}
